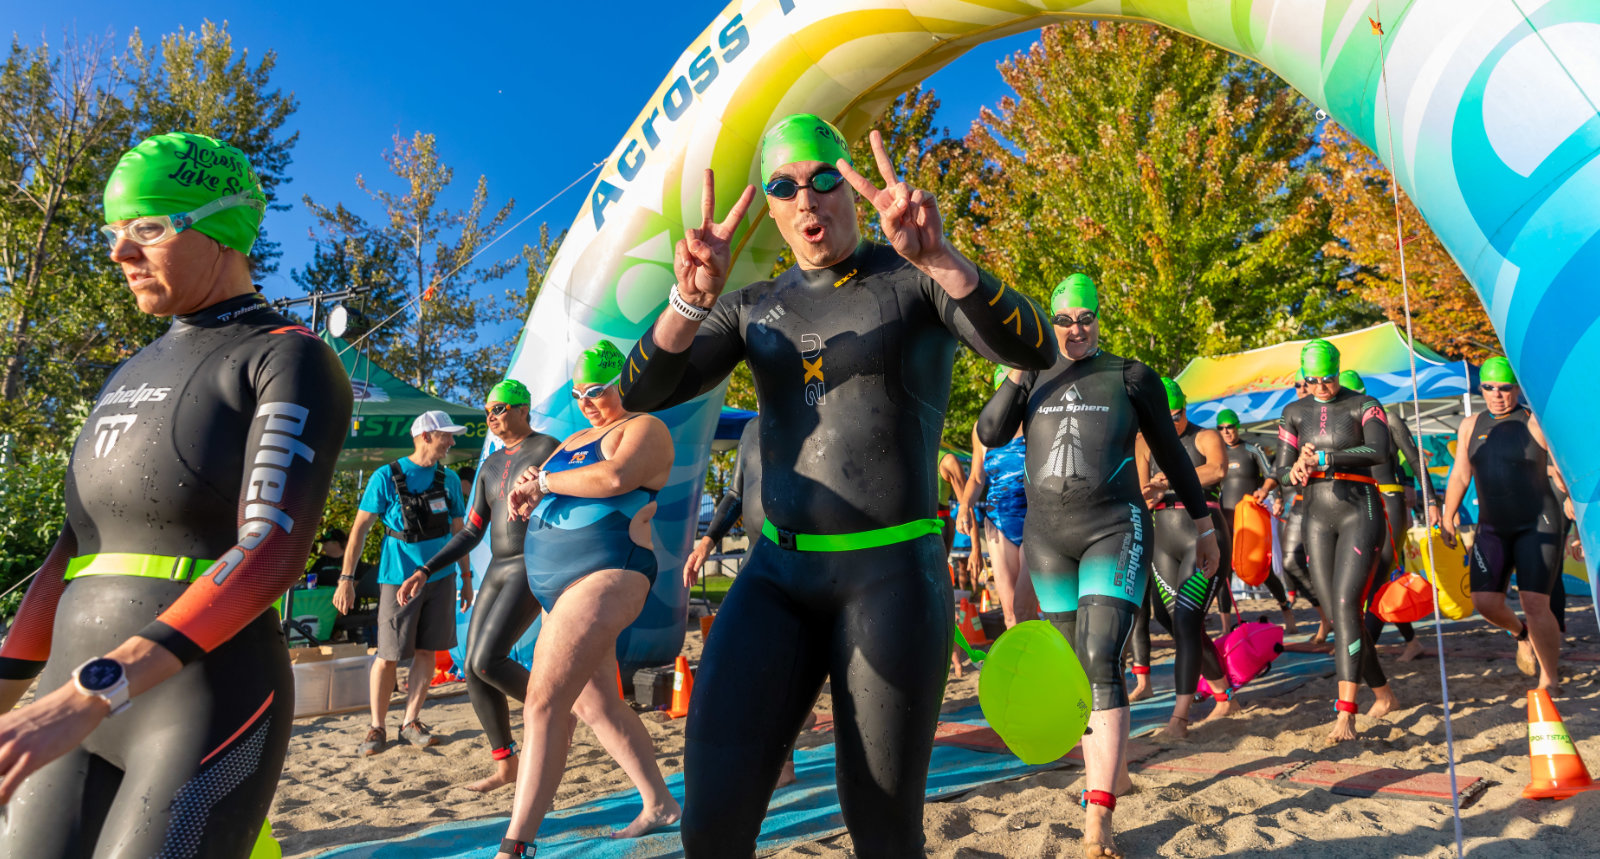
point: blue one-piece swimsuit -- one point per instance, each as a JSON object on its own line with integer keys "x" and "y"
{"x": 569, "y": 537}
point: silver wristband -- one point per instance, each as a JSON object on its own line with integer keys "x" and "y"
{"x": 544, "y": 482}
{"x": 684, "y": 308}
{"x": 1206, "y": 533}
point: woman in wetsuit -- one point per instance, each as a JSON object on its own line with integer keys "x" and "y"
{"x": 1290, "y": 511}
{"x": 1520, "y": 523}
{"x": 1247, "y": 471}
{"x": 192, "y": 494}
{"x": 504, "y": 607}
{"x": 1180, "y": 592}
{"x": 1088, "y": 531}
{"x": 1331, "y": 443}
{"x": 999, "y": 489}
{"x": 851, "y": 351}
{"x": 590, "y": 564}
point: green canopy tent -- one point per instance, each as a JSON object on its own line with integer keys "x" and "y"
{"x": 380, "y": 425}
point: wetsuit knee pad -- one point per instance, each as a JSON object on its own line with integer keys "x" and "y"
{"x": 1103, "y": 627}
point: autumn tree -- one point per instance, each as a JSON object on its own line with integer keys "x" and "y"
{"x": 1446, "y": 312}
{"x": 1173, "y": 173}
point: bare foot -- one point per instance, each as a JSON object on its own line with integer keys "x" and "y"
{"x": 1552, "y": 687}
{"x": 1386, "y": 702}
{"x": 1097, "y": 837}
{"x": 1141, "y": 689}
{"x": 1526, "y": 662}
{"x": 1289, "y": 627}
{"x": 786, "y": 775}
{"x": 1177, "y": 730}
{"x": 1412, "y": 651}
{"x": 1344, "y": 728}
{"x": 1124, "y": 785}
{"x": 1223, "y": 710}
{"x": 650, "y": 820}
{"x": 1324, "y": 629}
{"x": 502, "y": 776}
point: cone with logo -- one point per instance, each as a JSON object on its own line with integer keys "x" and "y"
{"x": 1557, "y": 771}
{"x": 682, "y": 687}
{"x": 967, "y": 623}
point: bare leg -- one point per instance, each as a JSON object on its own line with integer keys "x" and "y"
{"x": 578, "y": 640}
{"x": 1105, "y": 761}
{"x": 1011, "y": 581}
{"x": 417, "y": 682}
{"x": 623, "y": 737}
{"x": 505, "y": 772}
{"x": 380, "y": 685}
{"x": 1344, "y": 724}
{"x": 1545, "y": 636}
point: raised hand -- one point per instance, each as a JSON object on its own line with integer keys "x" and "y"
{"x": 704, "y": 254}
{"x": 909, "y": 216}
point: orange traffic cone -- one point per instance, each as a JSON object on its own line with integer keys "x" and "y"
{"x": 682, "y": 686}
{"x": 985, "y": 604}
{"x": 966, "y": 621}
{"x": 1558, "y": 772}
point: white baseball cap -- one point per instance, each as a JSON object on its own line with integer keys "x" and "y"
{"x": 435, "y": 421}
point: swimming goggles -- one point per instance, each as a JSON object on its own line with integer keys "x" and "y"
{"x": 592, "y": 392}
{"x": 1321, "y": 380}
{"x": 784, "y": 188}
{"x": 1496, "y": 389}
{"x": 497, "y": 410}
{"x": 1084, "y": 319}
{"x": 155, "y": 229}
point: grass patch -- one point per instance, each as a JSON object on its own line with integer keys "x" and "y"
{"x": 716, "y": 588}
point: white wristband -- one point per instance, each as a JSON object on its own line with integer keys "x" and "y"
{"x": 544, "y": 482}
{"x": 684, "y": 308}
{"x": 1206, "y": 533}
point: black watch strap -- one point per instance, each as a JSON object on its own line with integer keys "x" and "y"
{"x": 517, "y": 848}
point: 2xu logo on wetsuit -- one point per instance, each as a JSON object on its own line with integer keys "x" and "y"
{"x": 109, "y": 429}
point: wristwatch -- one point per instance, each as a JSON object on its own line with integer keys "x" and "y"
{"x": 104, "y": 679}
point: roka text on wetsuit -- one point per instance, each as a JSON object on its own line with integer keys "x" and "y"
{"x": 1520, "y": 521}
{"x": 1344, "y": 520}
{"x": 1088, "y": 531}
{"x": 207, "y": 455}
{"x": 743, "y": 496}
{"x": 852, "y": 366}
{"x": 505, "y": 607}
{"x": 1180, "y": 593}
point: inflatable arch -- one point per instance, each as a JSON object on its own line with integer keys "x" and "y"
{"x": 1494, "y": 126}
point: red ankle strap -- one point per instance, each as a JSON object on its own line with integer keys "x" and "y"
{"x": 1098, "y": 797}
{"x": 519, "y": 849}
{"x": 1140, "y": 669}
{"x": 1345, "y": 706}
{"x": 510, "y": 751}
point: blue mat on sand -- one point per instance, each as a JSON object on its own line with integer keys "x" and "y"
{"x": 804, "y": 811}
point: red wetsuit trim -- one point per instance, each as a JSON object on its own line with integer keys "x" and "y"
{"x": 247, "y": 723}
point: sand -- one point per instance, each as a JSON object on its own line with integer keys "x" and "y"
{"x": 329, "y": 796}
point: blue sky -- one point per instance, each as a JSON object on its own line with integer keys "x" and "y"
{"x": 528, "y": 94}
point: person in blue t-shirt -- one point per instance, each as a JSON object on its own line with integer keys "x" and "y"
{"x": 415, "y": 618}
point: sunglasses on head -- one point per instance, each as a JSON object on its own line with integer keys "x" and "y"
{"x": 784, "y": 188}
{"x": 1085, "y": 319}
{"x": 590, "y": 393}
{"x": 1497, "y": 389}
{"x": 1322, "y": 380}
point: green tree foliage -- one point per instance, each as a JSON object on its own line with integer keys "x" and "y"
{"x": 1176, "y": 175}
{"x": 434, "y": 250}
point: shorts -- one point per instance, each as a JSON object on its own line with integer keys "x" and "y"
{"x": 428, "y": 622}
{"x": 1534, "y": 552}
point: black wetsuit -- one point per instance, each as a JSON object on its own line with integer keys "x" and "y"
{"x": 1345, "y": 527}
{"x": 852, "y": 366}
{"x": 1247, "y": 470}
{"x": 503, "y": 607}
{"x": 1088, "y": 531}
{"x": 1179, "y": 592}
{"x": 1520, "y": 520}
{"x": 742, "y": 499}
{"x": 1292, "y": 544}
{"x": 217, "y": 442}
{"x": 1389, "y": 475}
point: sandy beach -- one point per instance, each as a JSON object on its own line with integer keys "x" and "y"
{"x": 329, "y": 796}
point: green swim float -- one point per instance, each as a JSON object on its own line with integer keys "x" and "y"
{"x": 1034, "y": 692}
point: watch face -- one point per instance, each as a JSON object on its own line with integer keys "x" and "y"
{"x": 99, "y": 675}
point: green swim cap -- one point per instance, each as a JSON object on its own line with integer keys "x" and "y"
{"x": 1352, "y": 380}
{"x": 1175, "y": 398}
{"x": 511, "y": 392}
{"x": 801, "y": 137}
{"x": 1319, "y": 358}
{"x": 1227, "y": 418}
{"x": 1497, "y": 371}
{"x": 600, "y": 364}
{"x": 177, "y": 173}
{"x": 1076, "y": 291}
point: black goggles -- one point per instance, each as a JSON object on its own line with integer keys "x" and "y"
{"x": 784, "y": 188}
{"x": 1497, "y": 389}
{"x": 1085, "y": 319}
{"x": 1322, "y": 380}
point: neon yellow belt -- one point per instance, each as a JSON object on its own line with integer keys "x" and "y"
{"x": 136, "y": 564}
{"x": 850, "y": 542}
{"x": 1391, "y": 488}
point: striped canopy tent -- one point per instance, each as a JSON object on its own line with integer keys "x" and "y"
{"x": 380, "y": 426}
{"x": 1257, "y": 384}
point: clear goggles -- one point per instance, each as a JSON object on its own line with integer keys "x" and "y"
{"x": 155, "y": 229}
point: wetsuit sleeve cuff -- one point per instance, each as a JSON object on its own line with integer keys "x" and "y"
{"x": 175, "y": 642}
{"x": 19, "y": 669}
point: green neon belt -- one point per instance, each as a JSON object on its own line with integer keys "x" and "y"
{"x": 850, "y": 542}
{"x": 136, "y": 564}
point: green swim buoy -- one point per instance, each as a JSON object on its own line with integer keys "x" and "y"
{"x": 266, "y": 847}
{"x": 1034, "y": 692}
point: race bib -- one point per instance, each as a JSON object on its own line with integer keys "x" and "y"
{"x": 436, "y": 505}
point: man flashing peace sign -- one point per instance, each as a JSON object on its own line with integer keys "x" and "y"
{"x": 851, "y": 350}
